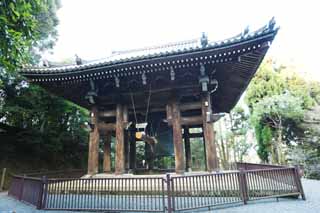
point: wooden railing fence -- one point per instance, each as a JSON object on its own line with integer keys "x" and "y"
{"x": 159, "y": 194}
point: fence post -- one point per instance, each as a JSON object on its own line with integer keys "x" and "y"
{"x": 243, "y": 186}
{"x": 21, "y": 189}
{"x": 41, "y": 192}
{"x": 298, "y": 181}
{"x": 168, "y": 181}
{"x": 3, "y": 178}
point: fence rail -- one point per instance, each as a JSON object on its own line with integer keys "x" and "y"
{"x": 158, "y": 194}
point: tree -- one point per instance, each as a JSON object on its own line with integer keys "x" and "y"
{"x": 277, "y": 113}
{"x": 239, "y": 121}
{"x": 272, "y": 79}
{"x": 271, "y": 83}
{"x": 27, "y": 27}
{"x": 231, "y": 136}
{"x": 48, "y": 128}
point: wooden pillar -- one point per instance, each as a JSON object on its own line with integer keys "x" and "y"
{"x": 107, "y": 153}
{"x": 132, "y": 142}
{"x": 126, "y": 139}
{"x": 204, "y": 150}
{"x": 187, "y": 148}
{"x": 177, "y": 136}
{"x": 208, "y": 134}
{"x": 93, "y": 155}
{"x": 119, "y": 155}
{"x": 126, "y": 151}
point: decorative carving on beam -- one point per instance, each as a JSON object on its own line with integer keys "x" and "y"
{"x": 215, "y": 84}
{"x": 92, "y": 94}
{"x": 203, "y": 79}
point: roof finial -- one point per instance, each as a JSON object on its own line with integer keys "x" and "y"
{"x": 45, "y": 63}
{"x": 78, "y": 60}
{"x": 204, "y": 40}
{"x": 272, "y": 23}
{"x": 245, "y": 31}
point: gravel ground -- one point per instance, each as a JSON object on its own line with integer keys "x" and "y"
{"x": 311, "y": 205}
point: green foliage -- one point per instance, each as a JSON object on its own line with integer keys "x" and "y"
{"x": 264, "y": 137}
{"x": 275, "y": 110}
{"x": 238, "y": 134}
{"x": 47, "y": 129}
{"x": 25, "y": 26}
{"x": 267, "y": 82}
{"x": 50, "y": 126}
{"x": 270, "y": 81}
{"x": 278, "y": 99}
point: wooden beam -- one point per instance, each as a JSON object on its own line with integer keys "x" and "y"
{"x": 108, "y": 113}
{"x": 106, "y": 127}
{"x": 188, "y": 121}
{"x": 93, "y": 155}
{"x": 183, "y": 107}
{"x": 119, "y": 155}
{"x": 107, "y": 153}
{"x": 208, "y": 132}
{"x": 191, "y": 120}
{"x": 195, "y": 135}
{"x": 177, "y": 136}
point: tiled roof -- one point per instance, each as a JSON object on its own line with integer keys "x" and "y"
{"x": 157, "y": 51}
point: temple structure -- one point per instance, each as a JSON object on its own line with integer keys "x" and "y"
{"x": 142, "y": 93}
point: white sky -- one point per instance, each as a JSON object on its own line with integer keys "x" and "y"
{"x": 94, "y": 28}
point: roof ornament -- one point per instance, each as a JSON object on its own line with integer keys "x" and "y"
{"x": 78, "y": 60}
{"x": 117, "y": 81}
{"x": 204, "y": 40}
{"x": 144, "y": 78}
{"x": 93, "y": 92}
{"x": 245, "y": 32}
{"x": 45, "y": 63}
{"x": 272, "y": 23}
{"x": 172, "y": 74}
{"x": 203, "y": 79}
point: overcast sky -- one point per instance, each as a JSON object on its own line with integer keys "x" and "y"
{"x": 94, "y": 28}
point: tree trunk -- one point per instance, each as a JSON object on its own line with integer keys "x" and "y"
{"x": 223, "y": 150}
{"x": 280, "y": 150}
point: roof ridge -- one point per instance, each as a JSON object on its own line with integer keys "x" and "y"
{"x": 154, "y": 47}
